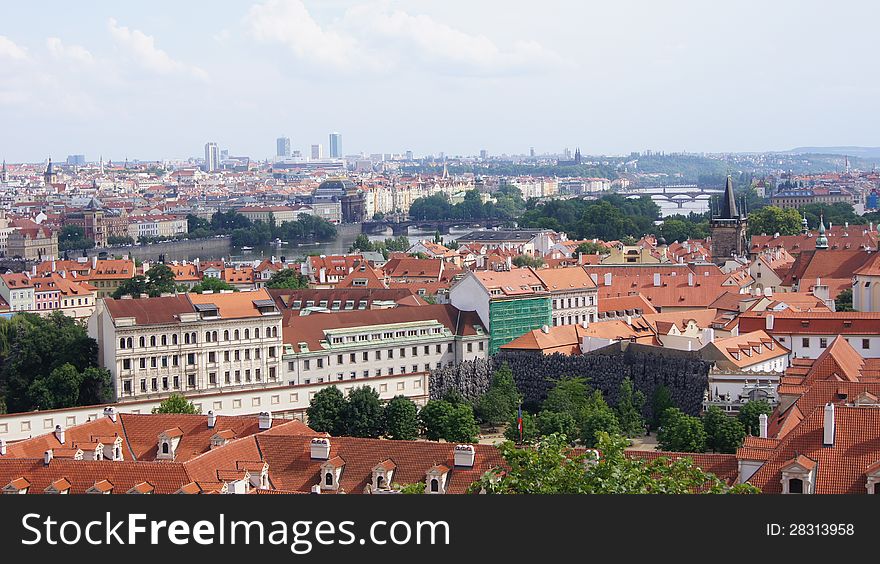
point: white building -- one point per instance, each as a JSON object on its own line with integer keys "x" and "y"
{"x": 188, "y": 342}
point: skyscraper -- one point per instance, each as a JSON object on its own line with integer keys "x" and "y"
{"x": 335, "y": 145}
{"x": 317, "y": 152}
{"x": 282, "y": 147}
{"x": 212, "y": 157}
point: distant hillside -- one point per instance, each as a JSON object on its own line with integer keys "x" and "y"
{"x": 863, "y": 152}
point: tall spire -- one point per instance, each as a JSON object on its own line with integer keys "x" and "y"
{"x": 728, "y": 204}
{"x": 821, "y": 240}
{"x": 5, "y": 173}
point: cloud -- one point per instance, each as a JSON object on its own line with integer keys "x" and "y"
{"x": 372, "y": 37}
{"x": 143, "y": 48}
{"x": 288, "y": 22}
{"x": 421, "y": 39}
{"x": 9, "y": 50}
{"x": 74, "y": 53}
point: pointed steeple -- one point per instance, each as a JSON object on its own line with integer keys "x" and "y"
{"x": 728, "y": 203}
{"x": 5, "y": 173}
{"x": 821, "y": 240}
{"x": 805, "y": 228}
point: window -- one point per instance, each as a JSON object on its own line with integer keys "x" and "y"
{"x": 351, "y": 358}
{"x": 339, "y": 359}
{"x": 823, "y": 343}
{"x": 427, "y": 349}
{"x": 795, "y": 486}
{"x": 247, "y": 333}
{"x": 305, "y": 364}
{"x": 415, "y": 351}
{"x": 378, "y": 355}
{"x": 126, "y": 364}
{"x": 402, "y": 353}
{"x": 365, "y": 356}
{"x": 470, "y": 347}
{"x": 320, "y": 363}
{"x": 866, "y": 343}
{"x": 805, "y": 342}
{"x": 482, "y": 345}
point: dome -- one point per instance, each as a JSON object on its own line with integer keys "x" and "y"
{"x": 335, "y": 187}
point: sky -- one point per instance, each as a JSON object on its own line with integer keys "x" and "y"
{"x": 159, "y": 79}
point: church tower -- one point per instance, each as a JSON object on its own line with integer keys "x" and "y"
{"x": 728, "y": 229}
{"x": 50, "y": 177}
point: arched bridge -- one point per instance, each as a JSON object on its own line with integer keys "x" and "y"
{"x": 440, "y": 225}
{"x": 677, "y": 195}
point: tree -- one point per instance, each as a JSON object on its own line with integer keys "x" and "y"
{"x": 134, "y": 287}
{"x": 160, "y": 280}
{"x": 73, "y": 237}
{"x": 629, "y": 409}
{"x": 844, "y": 301}
{"x": 288, "y": 278}
{"x": 325, "y": 411}
{"x": 595, "y": 418}
{"x": 591, "y": 248}
{"x": 453, "y": 423}
{"x": 552, "y": 467}
{"x": 561, "y": 423}
{"x": 362, "y": 414}
{"x": 176, "y": 403}
{"x": 771, "y": 220}
{"x": 569, "y": 395}
{"x": 501, "y": 400}
{"x": 401, "y": 419}
{"x": 723, "y": 434}
{"x": 750, "y": 412}
{"x": 117, "y": 241}
{"x": 662, "y": 402}
{"x": 433, "y": 417}
{"x": 49, "y": 362}
{"x": 411, "y": 489}
{"x": 461, "y": 427}
{"x": 525, "y": 260}
{"x": 529, "y": 432}
{"x": 681, "y": 432}
{"x": 212, "y": 285}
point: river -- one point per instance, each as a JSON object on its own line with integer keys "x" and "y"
{"x": 296, "y": 252}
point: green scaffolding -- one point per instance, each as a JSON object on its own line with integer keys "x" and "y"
{"x": 510, "y": 319}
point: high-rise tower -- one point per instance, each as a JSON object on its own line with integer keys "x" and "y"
{"x": 728, "y": 229}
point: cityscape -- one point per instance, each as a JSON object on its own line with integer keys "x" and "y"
{"x": 439, "y": 308}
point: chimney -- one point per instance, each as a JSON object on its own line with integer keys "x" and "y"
{"x": 111, "y": 413}
{"x": 768, "y": 325}
{"x": 585, "y": 323}
{"x": 768, "y": 292}
{"x": 47, "y": 458}
{"x": 2, "y": 447}
{"x": 320, "y": 448}
{"x": 545, "y": 329}
{"x": 595, "y": 278}
{"x": 94, "y": 261}
{"x": 690, "y": 278}
{"x": 656, "y": 279}
{"x": 762, "y": 425}
{"x": 265, "y": 419}
{"x": 53, "y": 265}
{"x": 828, "y": 427}
{"x": 464, "y": 456}
{"x": 212, "y": 419}
{"x": 607, "y": 278}
{"x": 316, "y": 489}
{"x": 322, "y": 275}
{"x": 59, "y": 433}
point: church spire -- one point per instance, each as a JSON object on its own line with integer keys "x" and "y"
{"x": 728, "y": 204}
{"x": 821, "y": 240}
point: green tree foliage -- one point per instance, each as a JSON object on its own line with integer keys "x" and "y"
{"x": 117, "y": 241}
{"x": 680, "y": 228}
{"x": 72, "y": 237}
{"x": 561, "y": 423}
{"x": 750, "y": 412}
{"x": 453, "y": 423}
{"x": 609, "y": 218}
{"x": 569, "y": 395}
{"x": 325, "y": 411}
{"x": 401, "y": 419}
{"x": 629, "y": 407}
{"x": 723, "y": 434}
{"x": 771, "y": 220}
{"x": 844, "y": 301}
{"x": 211, "y": 284}
{"x": 530, "y": 431}
{"x": 288, "y": 278}
{"x": 48, "y": 363}
{"x": 552, "y": 467}
{"x": 176, "y": 403}
{"x": 501, "y": 400}
{"x": 411, "y": 489}
{"x": 681, "y": 432}
{"x": 662, "y": 401}
{"x": 431, "y": 207}
{"x": 591, "y": 248}
{"x": 597, "y": 417}
{"x": 363, "y": 413}
{"x": 837, "y": 213}
{"x": 159, "y": 279}
{"x": 525, "y": 260}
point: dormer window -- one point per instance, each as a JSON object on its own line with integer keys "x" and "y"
{"x": 383, "y": 474}
{"x": 435, "y": 479}
{"x": 331, "y": 473}
{"x": 168, "y": 441}
{"x": 799, "y": 476}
